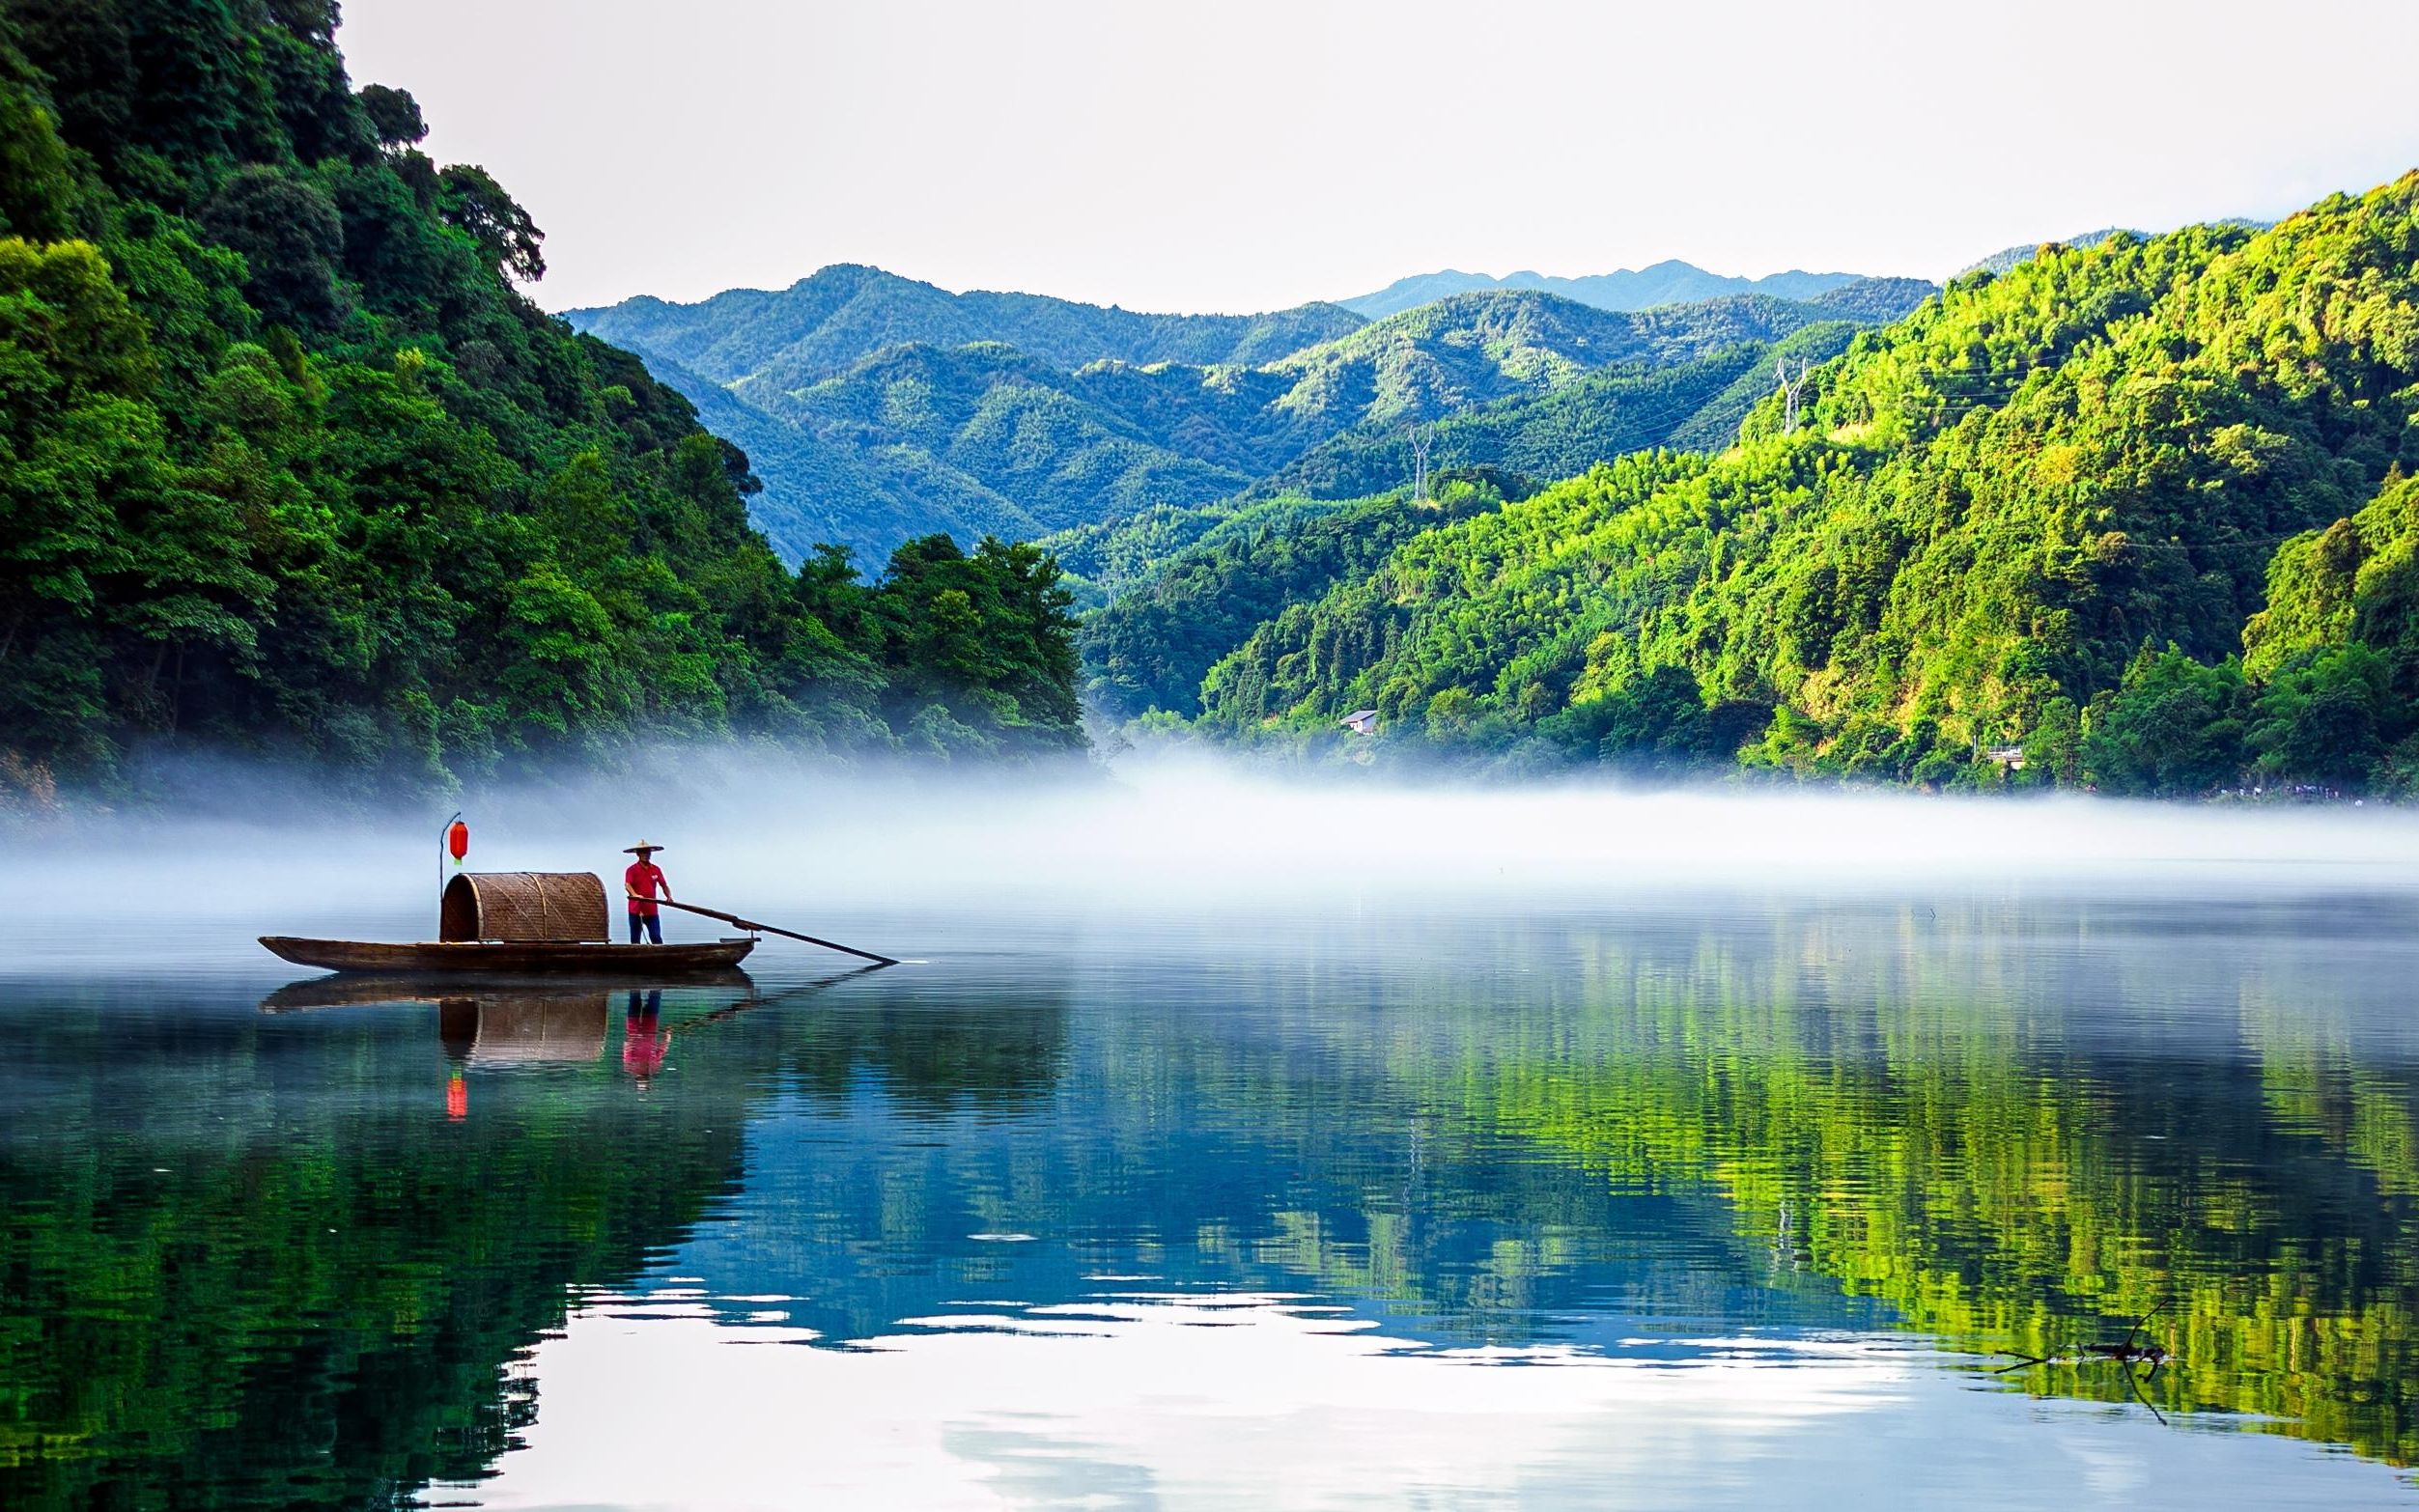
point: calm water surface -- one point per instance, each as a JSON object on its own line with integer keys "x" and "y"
{"x": 1717, "y": 1202}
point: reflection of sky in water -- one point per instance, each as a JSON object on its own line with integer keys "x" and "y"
{"x": 1240, "y": 1400}
{"x": 853, "y": 1218}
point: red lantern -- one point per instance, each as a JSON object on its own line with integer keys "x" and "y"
{"x": 458, "y": 840}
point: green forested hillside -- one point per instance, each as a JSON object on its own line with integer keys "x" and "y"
{"x": 890, "y": 494}
{"x": 1569, "y": 428}
{"x": 1472, "y": 348}
{"x": 1148, "y": 649}
{"x": 2000, "y": 515}
{"x": 1178, "y": 589}
{"x": 1038, "y": 440}
{"x": 1879, "y": 300}
{"x": 288, "y": 463}
{"x": 1183, "y": 587}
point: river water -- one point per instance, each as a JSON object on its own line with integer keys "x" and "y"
{"x": 2010, "y": 1192}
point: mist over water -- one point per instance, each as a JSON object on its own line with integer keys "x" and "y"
{"x": 1192, "y": 845}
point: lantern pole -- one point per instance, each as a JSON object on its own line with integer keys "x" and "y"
{"x": 445, "y": 842}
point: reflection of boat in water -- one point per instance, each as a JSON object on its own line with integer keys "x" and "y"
{"x": 525, "y": 1029}
{"x": 498, "y": 1024}
{"x": 525, "y": 924}
{"x": 495, "y": 1025}
{"x": 351, "y": 991}
{"x": 548, "y": 958}
{"x": 515, "y": 1024}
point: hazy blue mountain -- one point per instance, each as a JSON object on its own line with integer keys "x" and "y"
{"x": 1024, "y": 430}
{"x": 1669, "y": 282}
{"x": 1469, "y": 349}
{"x": 821, "y": 487}
{"x": 1091, "y": 422}
{"x": 823, "y": 323}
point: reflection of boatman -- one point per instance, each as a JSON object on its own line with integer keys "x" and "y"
{"x": 644, "y": 882}
{"x": 644, "y": 1039}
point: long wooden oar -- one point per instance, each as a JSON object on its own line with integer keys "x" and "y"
{"x": 767, "y": 929}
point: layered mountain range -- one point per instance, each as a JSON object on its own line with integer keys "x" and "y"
{"x": 875, "y": 407}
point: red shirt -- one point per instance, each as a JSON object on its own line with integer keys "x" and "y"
{"x": 643, "y": 1044}
{"x": 643, "y": 880}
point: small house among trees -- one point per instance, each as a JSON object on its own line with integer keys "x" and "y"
{"x": 1361, "y": 721}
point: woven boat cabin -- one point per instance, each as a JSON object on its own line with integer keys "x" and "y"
{"x": 523, "y": 906}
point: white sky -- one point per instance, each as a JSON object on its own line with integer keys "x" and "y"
{"x": 1255, "y": 153}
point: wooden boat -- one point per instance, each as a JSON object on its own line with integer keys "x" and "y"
{"x": 523, "y": 958}
{"x": 525, "y": 924}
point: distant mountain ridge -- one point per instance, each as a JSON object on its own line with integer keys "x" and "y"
{"x": 818, "y": 327}
{"x": 1668, "y": 282}
{"x": 876, "y": 407}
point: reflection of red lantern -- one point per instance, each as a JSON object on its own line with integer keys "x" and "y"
{"x": 457, "y": 1098}
{"x": 458, "y": 840}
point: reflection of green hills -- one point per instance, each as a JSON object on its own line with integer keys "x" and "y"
{"x": 247, "y": 1261}
{"x": 1994, "y": 1177}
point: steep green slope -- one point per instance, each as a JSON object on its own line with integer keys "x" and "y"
{"x": 1023, "y": 431}
{"x": 2006, "y": 258}
{"x": 1997, "y": 503}
{"x": 826, "y": 323}
{"x": 1148, "y": 648}
{"x": 1134, "y": 659}
{"x": 290, "y": 465}
{"x": 1571, "y": 427}
{"x": 1474, "y": 348}
{"x": 867, "y": 499}
{"x": 1878, "y": 300}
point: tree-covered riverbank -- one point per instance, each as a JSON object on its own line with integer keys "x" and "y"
{"x": 291, "y": 468}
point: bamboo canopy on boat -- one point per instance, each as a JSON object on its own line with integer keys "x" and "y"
{"x": 523, "y": 906}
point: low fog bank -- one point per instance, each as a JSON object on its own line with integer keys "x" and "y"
{"x": 1173, "y": 838}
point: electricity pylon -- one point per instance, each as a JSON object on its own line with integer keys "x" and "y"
{"x": 1791, "y": 388}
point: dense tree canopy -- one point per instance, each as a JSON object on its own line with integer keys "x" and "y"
{"x": 1995, "y": 518}
{"x": 288, "y": 463}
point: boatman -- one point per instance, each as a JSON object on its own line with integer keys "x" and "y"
{"x": 644, "y": 882}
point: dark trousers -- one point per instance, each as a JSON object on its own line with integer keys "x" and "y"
{"x": 652, "y": 923}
